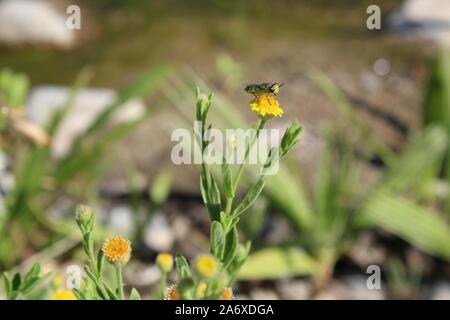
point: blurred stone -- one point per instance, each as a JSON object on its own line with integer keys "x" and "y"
{"x": 140, "y": 275}
{"x": 427, "y": 19}
{"x": 350, "y": 288}
{"x": 357, "y": 285}
{"x": 294, "y": 289}
{"x": 263, "y": 294}
{"x": 441, "y": 291}
{"x": 121, "y": 219}
{"x": 158, "y": 234}
{"x": 277, "y": 230}
{"x": 181, "y": 226}
{"x": 33, "y": 22}
{"x": 364, "y": 251}
{"x": 89, "y": 103}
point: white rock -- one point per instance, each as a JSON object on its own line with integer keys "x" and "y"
{"x": 429, "y": 19}
{"x": 139, "y": 275}
{"x": 441, "y": 291}
{"x": 294, "y": 289}
{"x": 263, "y": 294}
{"x": 33, "y": 22}
{"x": 158, "y": 234}
{"x": 351, "y": 288}
{"x": 89, "y": 103}
{"x": 357, "y": 286}
{"x": 121, "y": 219}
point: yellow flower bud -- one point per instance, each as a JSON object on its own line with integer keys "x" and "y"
{"x": 164, "y": 262}
{"x": 206, "y": 266}
{"x": 63, "y": 294}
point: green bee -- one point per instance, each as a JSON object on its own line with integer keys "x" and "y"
{"x": 258, "y": 89}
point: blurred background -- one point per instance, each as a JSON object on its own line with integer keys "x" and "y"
{"x": 87, "y": 114}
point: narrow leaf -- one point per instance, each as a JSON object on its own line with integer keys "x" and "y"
{"x": 251, "y": 196}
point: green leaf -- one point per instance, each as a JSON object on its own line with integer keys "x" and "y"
{"x": 112, "y": 295}
{"x": 100, "y": 262}
{"x": 288, "y": 195}
{"x": 415, "y": 160}
{"x": 251, "y": 196}
{"x": 231, "y": 247}
{"x": 134, "y": 295}
{"x": 418, "y": 225}
{"x": 227, "y": 180}
{"x": 161, "y": 187}
{"x": 238, "y": 262}
{"x": 214, "y": 193}
{"x": 13, "y": 88}
{"x": 204, "y": 186}
{"x": 16, "y": 282}
{"x": 98, "y": 284}
{"x": 290, "y": 138}
{"x": 182, "y": 266}
{"x": 31, "y": 275}
{"x": 217, "y": 238}
{"x": 7, "y": 284}
{"x": 34, "y": 283}
{"x": 210, "y": 193}
{"x": 437, "y": 102}
{"x": 79, "y": 294}
{"x": 275, "y": 263}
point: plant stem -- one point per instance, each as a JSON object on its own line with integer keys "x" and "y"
{"x": 163, "y": 284}
{"x": 261, "y": 124}
{"x": 119, "y": 280}
{"x": 89, "y": 248}
{"x": 229, "y": 204}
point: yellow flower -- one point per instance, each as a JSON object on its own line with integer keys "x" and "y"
{"x": 172, "y": 293}
{"x": 227, "y": 294}
{"x": 206, "y": 266}
{"x": 63, "y": 294}
{"x": 117, "y": 250}
{"x": 201, "y": 290}
{"x": 266, "y": 106}
{"x": 164, "y": 262}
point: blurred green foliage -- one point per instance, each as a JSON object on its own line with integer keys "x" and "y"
{"x": 40, "y": 179}
{"x": 328, "y": 221}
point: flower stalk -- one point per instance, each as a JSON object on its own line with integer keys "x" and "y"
{"x": 212, "y": 275}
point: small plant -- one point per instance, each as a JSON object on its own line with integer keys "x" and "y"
{"x": 38, "y": 179}
{"x": 212, "y": 275}
{"x": 18, "y": 287}
{"x": 115, "y": 250}
{"x": 327, "y": 219}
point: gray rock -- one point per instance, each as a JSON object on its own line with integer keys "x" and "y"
{"x": 364, "y": 251}
{"x": 158, "y": 234}
{"x": 89, "y": 103}
{"x": 121, "y": 220}
{"x": 33, "y": 22}
{"x": 441, "y": 291}
{"x": 263, "y": 294}
{"x": 357, "y": 285}
{"x": 428, "y": 19}
{"x": 141, "y": 275}
{"x": 350, "y": 288}
{"x": 294, "y": 289}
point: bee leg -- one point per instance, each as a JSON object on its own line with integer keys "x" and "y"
{"x": 268, "y": 100}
